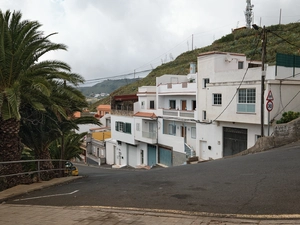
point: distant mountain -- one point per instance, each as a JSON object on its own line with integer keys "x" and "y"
{"x": 281, "y": 38}
{"x": 107, "y": 86}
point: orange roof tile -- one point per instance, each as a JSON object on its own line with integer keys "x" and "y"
{"x": 145, "y": 114}
{"x": 103, "y": 107}
{"x": 77, "y": 114}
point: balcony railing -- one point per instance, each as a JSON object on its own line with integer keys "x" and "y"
{"x": 150, "y": 135}
{"x": 179, "y": 113}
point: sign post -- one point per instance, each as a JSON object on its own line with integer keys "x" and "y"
{"x": 269, "y": 106}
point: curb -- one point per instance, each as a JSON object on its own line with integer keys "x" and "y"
{"x": 167, "y": 213}
{"x": 26, "y": 188}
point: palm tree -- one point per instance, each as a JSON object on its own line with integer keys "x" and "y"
{"x": 24, "y": 81}
{"x": 71, "y": 145}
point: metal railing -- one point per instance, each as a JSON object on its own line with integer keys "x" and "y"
{"x": 38, "y": 170}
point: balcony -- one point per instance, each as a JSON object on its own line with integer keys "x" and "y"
{"x": 147, "y": 137}
{"x": 180, "y": 88}
{"x": 179, "y": 113}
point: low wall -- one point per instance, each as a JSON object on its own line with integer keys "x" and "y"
{"x": 283, "y": 134}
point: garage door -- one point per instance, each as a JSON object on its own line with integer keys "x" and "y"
{"x": 132, "y": 156}
{"x": 151, "y": 155}
{"x": 235, "y": 140}
{"x": 165, "y": 156}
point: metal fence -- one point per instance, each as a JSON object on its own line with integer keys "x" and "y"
{"x": 38, "y": 170}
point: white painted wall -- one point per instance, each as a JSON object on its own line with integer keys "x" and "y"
{"x": 171, "y": 78}
{"x": 117, "y": 135}
{"x": 212, "y": 134}
{"x": 110, "y": 155}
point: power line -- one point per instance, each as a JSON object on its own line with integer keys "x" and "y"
{"x": 121, "y": 75}
{"x": 284, "y": 39}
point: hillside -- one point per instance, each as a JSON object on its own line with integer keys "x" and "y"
{"x": 281, "y": 38}
{"x": 107, "y": 86}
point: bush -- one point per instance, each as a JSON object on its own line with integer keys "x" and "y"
{"x": 288, "y": 116}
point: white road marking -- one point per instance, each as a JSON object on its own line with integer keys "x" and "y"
{"x": 46, "y": 196}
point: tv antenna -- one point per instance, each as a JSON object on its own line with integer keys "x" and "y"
{"x": 249, "y": 14}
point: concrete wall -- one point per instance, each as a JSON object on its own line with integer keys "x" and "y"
{"x": 283, "y": 134}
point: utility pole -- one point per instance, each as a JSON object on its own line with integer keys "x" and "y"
{"x": 263, "y": 75}
{"x": 192, "y": 42}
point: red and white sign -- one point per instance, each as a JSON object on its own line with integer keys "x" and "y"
{"x": 269, "y": 105}
{"x": 270, "y": 96}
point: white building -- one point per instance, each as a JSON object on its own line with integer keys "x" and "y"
{"x": 229, "y": 102}
{"x": 211, "y": 113}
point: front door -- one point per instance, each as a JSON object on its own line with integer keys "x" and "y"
{"x": 151, "y": 155}
{"x": 183, "y": 133}
{"x": 183, "y": 104}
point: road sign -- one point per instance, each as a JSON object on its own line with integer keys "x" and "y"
{"x": 270, "y": 96}
{"x": 269, "y": 105}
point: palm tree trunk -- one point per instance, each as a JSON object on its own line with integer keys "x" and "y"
{"x": 45, "y": 165}
{"x": 10, "y": 150}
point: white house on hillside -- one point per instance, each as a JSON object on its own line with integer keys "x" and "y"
{"x": 211, "y": 113}
{"x": 229, "y": 101}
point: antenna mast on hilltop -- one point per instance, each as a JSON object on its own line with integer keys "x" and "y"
{"x": 249, "y": 14}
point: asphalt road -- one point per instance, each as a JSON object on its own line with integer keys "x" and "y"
{"x": 263, "y": 183}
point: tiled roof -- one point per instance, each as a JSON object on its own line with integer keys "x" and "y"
{"x": 103, "y": 107}
{"x": 145, "y": 114}
{"x": 77, "y": 114}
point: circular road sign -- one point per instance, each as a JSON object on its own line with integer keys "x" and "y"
{"x": 269, "y": 105}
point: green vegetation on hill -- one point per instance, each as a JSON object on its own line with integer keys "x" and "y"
{"x": 281, "y": 39}
{"x": 107, "y": 86}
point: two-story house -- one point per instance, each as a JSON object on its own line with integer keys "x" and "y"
{"x": 230, "y": 101}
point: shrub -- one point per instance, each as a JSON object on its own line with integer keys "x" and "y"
{"x": 288, "y": 116}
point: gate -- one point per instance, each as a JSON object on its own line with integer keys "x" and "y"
{"x": 234, "y": 140}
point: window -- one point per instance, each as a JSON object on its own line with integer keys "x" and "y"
{"x": 193, "y": 132}
{"x": 142, "y": 105}
{"x": 217, "y": 99}
{"x": 246, "y": 100}
{"x": 172, "y": 104}
{"x": 257, "y": 137}
{"x": 203, "y": 115}
{"x": 137, "y": 126}
{"x": 119, "y": 126}
{"x": 205, "y": 81}
{"x": 240, "y": 65}
{"x": 108, "y": 122}
{"x": 172, "y": 129}
{"x": 151, "y": 104}
{"x": 123, "y": 127}
{"x": 194, "y": 104}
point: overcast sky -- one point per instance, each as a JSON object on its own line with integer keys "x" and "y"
{"x": 107, "y": 38}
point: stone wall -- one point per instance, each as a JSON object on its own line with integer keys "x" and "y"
{"x": 283, "y": 134}
{"x": 178, "y": 158}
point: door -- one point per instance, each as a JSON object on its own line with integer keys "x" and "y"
{"x": 183, "y": 104}
{"x": 234, "y": 140}
{"x": 151, "y": 155}
{"x": 203, "y": 150}
{"x": 165, "y": 156}
{"x": 132, "y": 156}
{"x": 183, "y": 133}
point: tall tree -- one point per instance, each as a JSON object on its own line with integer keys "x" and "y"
{"x": 24, "y": 80}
